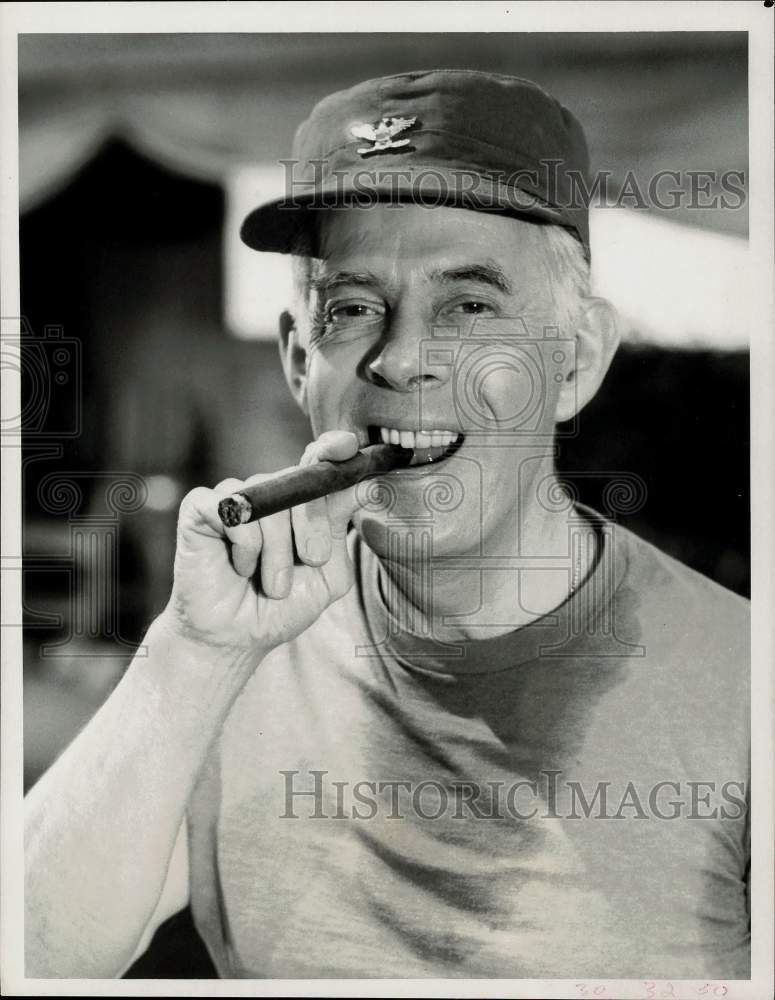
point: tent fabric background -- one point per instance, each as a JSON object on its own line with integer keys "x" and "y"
{"x": 206, "y": 104}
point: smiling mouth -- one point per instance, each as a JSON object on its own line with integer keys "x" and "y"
{"x": 429, "y": 447}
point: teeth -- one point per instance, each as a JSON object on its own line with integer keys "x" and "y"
{"x": 417, "y": 439}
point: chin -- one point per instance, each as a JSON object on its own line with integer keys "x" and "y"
{"x": 411, "y": 541}
{"x": 413, "y": 514}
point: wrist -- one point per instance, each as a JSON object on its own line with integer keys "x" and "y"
{"x": 193, "y": 670}
{"x": 174, "y": 635}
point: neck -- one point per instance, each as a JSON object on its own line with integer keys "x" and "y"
{"x": 463, "y": 596}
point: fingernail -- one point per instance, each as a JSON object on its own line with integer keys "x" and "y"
{"x": 281, "y": 583}
{"x": 316, "y": 549}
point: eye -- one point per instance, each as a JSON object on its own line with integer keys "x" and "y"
{"x": 471, "y": 307}
{"x": 475, "y": 308}
{"x": 352, "y": 312}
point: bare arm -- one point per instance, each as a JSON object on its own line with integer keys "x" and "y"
{"x": 101, "y": 824}
{"x": 174, "y": 897}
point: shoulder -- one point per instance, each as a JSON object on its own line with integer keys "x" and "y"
{"x": 694, "y": 633}
{"x": 689, "y": 666}
{"x": 673, "y": 592}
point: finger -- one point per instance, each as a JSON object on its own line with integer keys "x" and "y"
{"x": 341, "y": 508}
{"x": 276, "y": 555}
{"x": 311, "y": 528}
{"x": 312, "y": 532}
{"x": 228, "y": 486}
{"x": 336, "y": 446}
{"x": 198, "y": 514}
{"x": 246, "y": 539}
{"x": 246, "y": 544}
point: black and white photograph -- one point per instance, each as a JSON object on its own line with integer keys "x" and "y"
{"x": 387, "y": 449}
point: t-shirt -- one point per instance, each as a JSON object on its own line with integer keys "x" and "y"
{"x": 565, "y": 800}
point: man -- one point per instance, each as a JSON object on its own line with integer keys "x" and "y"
{"x": 486, "y": 734}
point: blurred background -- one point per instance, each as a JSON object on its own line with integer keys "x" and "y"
{"x": 147, "y": 354}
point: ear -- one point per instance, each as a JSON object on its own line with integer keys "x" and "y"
{"x": 294, "y": 359}
{"x": 597, "y": 337}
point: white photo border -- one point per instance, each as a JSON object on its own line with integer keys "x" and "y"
{"x": 752, "y": 17}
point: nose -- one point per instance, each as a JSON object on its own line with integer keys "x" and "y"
{"x": 398, "y": 361}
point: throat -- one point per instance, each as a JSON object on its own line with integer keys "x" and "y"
{"x": 484, "y": 602}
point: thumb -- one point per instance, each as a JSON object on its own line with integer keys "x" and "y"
{"x": 333, "y": 446}
{"x": 336, "y": 446}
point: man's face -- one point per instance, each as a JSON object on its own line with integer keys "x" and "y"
{"x": 438, "y": 325}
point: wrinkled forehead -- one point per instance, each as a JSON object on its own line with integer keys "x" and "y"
{"x": 412, "y": 237}
{"x": 415, "y": 229}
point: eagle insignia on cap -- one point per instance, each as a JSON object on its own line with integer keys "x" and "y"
{"x": 381, "y": 134}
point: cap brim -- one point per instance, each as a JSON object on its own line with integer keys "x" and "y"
{"x": 279, "y": 225}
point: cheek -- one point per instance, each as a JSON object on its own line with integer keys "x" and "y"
{"x": 506, "y": 388}
{"x": 318, "y": 386}
{"x": 510, "y": 392}
{"x": 329, "y": 373}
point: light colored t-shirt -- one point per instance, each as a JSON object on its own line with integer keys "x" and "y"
{"x": 566, "y": 800}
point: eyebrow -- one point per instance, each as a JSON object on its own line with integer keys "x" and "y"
{"x": 324, "y": 283}
{"x": 488, "y": 273}
{"x": 485, "y": 273}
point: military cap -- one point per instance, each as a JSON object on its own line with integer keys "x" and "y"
{"x": 471, "y": 139}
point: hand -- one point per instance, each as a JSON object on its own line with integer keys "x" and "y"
{"x": 240, "y": 588}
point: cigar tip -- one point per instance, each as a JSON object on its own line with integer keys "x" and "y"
{"x": 234, "y": 511}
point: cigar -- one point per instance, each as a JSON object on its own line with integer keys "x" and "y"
{"x": 310, "y": 483}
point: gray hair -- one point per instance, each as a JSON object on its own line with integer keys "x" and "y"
{"x": 568, "y": 270}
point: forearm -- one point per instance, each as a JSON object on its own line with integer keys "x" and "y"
{"x": 100, "y": 825}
